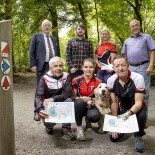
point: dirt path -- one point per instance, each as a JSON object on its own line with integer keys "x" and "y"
{"x": 31, "y": 138}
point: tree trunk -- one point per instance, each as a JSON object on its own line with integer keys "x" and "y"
{"x": 54, "y": 18}
{"x": 97, "y": 21}
{"x": 83, "y": 18}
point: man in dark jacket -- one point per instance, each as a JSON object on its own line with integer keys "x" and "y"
{"x": 54, "y": 86}
{"x": 42, "y": 48}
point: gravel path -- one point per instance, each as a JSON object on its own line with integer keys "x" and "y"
{"x": 31, "y": 138}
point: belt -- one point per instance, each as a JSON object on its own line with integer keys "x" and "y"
{"x": 141, "y": 63}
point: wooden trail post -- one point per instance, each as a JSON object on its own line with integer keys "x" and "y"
{"x": 7, "y": 136}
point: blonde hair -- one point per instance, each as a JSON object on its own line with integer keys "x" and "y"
{"x": 105, "y": 29}
{"x": 46, "y": 21}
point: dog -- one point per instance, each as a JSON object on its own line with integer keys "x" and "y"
{"x": 102, "y": 102}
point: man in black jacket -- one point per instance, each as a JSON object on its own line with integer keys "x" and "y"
{"x": 54, "y": 86}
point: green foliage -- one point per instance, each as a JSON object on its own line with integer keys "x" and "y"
{"x": 115, "y": 15}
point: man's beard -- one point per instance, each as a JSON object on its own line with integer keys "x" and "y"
{"x": 80, "y": 35}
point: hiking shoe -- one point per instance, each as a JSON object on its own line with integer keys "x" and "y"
{"x": 69, "y": 133}
{"x": 80, "y": 134}
{"x": 139, "y": 146}
{"x": 49, "y": 130}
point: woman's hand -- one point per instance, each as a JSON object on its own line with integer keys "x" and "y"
{"x": 86, "y": 98}
{"x": 99, "y": 64}
{"x": 90, "y": 103}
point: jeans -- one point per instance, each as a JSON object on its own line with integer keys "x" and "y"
{"x": 142, "y": 70}
{"x": 103, "y": 75}
{"x": 64, "y": 125}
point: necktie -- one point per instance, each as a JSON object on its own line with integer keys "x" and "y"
{"x": 50, "y": 48}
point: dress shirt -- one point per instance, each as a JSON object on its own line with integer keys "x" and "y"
{"x": 137, "y": 48}
{"x": 47, "y": 48}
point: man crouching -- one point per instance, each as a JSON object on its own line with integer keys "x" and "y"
{"x": 54, "y": 86}
{"x": 127, "y": 93}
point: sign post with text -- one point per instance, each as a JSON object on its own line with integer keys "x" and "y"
{"x": 7, "y": 135}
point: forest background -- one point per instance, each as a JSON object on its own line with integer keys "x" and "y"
{"x": 27, "y": 15}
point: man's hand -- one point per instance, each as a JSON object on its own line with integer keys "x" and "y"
{"x": 114, "y": 134}
{"x": 124, "y": 116}
{"x": 48, "y": 100}
{"x": 73, "y": 70}
{"x": 149, "y": 70}
{"x": 43, "y": 114}
{"x": 34, "y": 69}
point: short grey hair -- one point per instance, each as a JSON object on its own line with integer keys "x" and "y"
{"x": 46, "y": 21}
{"x": 134, "y": 20}
{"x": 55, "y": 59}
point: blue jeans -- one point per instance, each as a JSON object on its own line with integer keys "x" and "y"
{"x": 64, "y": 125}
{"x": 103, "y": 75}
{"x": 142, "y": 70}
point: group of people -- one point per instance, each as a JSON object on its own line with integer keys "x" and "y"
{"x": 127, "y": 77}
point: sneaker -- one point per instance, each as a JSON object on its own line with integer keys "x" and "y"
{"x": 69, "y": 133}
{"x": 139, "y": 146}
{"x": 49, "y": 130}
{"x": 80, "y": 134}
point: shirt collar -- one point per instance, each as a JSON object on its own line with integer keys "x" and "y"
{"x": 77, "y": 38}
{"x": 134, "y": 36}
{"x": 53, "y": 76}
{"x": 45, "y": 35}
{"x": 85, "y": 79}
{"x": 129, "y": 75}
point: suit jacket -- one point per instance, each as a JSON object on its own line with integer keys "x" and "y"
{"x": 38, "y": 50}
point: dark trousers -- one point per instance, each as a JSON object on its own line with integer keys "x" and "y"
{"x": 81, "y": 110}
{"x": 141, "y": 119}
{"x": 77, "y": 73}
{"x": 103, "y": 75}
{"x": 39, "y": 74}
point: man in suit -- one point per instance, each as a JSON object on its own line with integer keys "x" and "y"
{"x": 42, "y": 48}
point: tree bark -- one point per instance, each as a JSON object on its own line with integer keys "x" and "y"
{"x": 97, "y": 21}
{"x": 83, "y": 18}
